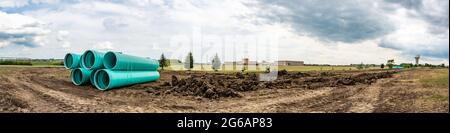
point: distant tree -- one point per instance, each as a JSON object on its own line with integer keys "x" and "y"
{"x": 406, "y": 65}
{"x": 189, "y": 62}
{"x": 360, "y": 66}
{"x": 267, "y": 69}
{"x": 366, "y": 66}
{"x": 442, "y": 65}
{"x": 216, "y": 63}
{"x": 382, "y": 66}
{"x": 390, "y": 63}
{"x": 163, "y": 62}
{"x": 243, "y": 69}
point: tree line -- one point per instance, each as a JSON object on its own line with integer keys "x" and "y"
{"x": 189, "y": 62}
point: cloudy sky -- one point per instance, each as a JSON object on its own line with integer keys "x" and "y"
{"x": 315, "y": 31}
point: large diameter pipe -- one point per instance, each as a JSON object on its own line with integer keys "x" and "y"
{"x": 80, "y": 76}
{"x": 72, "y": 61}
{"x": 106, "y": 79}
{"x": 91, "y": 78}
{"x": 124, "y": 62}
{"x": 92, "y": 59}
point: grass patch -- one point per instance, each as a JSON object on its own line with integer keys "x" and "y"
{"x": 10, "y": 62}
{"x": 47, "y": 62}
{"x": 34, "y": 62}
{"x": 437, "y": 78}
{"x": 438, "y": 97}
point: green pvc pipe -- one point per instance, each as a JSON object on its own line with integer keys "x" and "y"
{"x": 92, "y": 59}
{"x": 91, "y": 78}
{"x": 106, "y": 79}
{"x": 124, "y": 62}
{"x": 80, "y": 76}
{"x": 72, "y": 61}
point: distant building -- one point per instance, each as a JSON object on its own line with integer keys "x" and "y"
{"x": 245, "y": 61}
{"x": 290, "y": 63}
{"x": 230, "y": 63}
{"x": 174, "y": 61}
{"x": 265, "y": 63}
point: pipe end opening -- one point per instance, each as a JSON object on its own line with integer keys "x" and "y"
{"x": 110, "y": 60}
{"x": 88, "y": 59}
{"x": 77, "y": 76}
{"x": 102, "y": 80}
{"x": 68, "y": 60}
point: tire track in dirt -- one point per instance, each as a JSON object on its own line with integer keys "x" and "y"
{"x": 111, "y": 101}
{"x": 268, "y": 104}
{"x": 404, "y": 96}
{"x": 9, "y": 102}
{"x": 67, "y": 102}
{"x": 335, "y": 100}
{"x": 36, "y": 103}
{"x": 367, "y": 99}
{"x": 51, "y": 103}
{"x": 62, "y": 101}
{"x": 63, "y": 86}
{"x": 62, "y": 106}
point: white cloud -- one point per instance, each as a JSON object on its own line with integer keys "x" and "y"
{"x": 148, "y": 28}
{"x": 62, "y": 35}
{"x": 114, "y": 24}
{"x": 143, "y": 3}
{"x": 66, "y": 45}
{"x": 45, "y": 1}
{"x": 106, "y": 45}
{"x": 413, "y": 37}
{"x": 13, "y": 3}
{"x": 23, "y": 3}
{"x": 95, "y": 8}
{"x": 62, "y": 38}
{"x": 3, "y": 44}
{"x": 16, "y": 29}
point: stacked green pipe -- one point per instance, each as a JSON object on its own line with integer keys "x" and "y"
{"x": 72, "y": 61}
{"x": 107, "y": 79}
{"x": 92, "y": 60}
{"x": 110, "y": 70}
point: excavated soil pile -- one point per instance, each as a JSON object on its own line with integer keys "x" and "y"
{"x": 218, "y": 85}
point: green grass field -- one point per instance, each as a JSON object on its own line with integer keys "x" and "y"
{"x": 32, "y": 63}
{"x": 47, "y": 63}
{"x": 437, "y": 78}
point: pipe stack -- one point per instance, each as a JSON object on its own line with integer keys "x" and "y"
{"x": 110, "y": 70}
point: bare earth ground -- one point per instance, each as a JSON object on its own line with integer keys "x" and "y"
{"x": 50, "y": 90}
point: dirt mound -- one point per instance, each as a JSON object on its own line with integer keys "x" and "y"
{"x": 286, "y": 74}
{"x": 9, "y": 103}
{"x": 342, "y": 80}
{"x": 365, "y": 78}
{"x": 327, "y": 74}
{"x": 282, "y": 72}
{"x": 215, "y": 86}
{"x": 202, "y": 86}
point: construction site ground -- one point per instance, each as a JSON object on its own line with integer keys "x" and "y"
{"x": 40, "y": 89}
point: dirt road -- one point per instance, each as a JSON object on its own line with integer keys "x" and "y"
{"x": 50, "y": 90}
